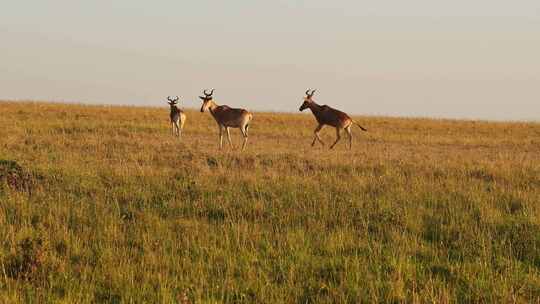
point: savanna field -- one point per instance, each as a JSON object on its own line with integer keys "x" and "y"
{"x": 101, "y": 204}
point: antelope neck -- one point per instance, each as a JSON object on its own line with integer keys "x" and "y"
{"x": 314, "y": 107}
{"x": 212, "y": 107}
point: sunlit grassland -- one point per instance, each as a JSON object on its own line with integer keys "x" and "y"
{"x": 102, "y": 204}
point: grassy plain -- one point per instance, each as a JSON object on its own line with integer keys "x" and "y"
{"x": 101, "y": 204}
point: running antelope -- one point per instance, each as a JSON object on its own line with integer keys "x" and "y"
{"x": 177, "y": 116}
{"x": 326, "y": 115}
{"x": 227, "y": 117}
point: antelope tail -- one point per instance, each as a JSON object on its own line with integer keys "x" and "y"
{"x": 362, "y": 128}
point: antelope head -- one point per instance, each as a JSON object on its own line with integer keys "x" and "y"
{"x": 207, "y": 100}
{"x": 173, "y": 101}
{"x": 307, "y": 100}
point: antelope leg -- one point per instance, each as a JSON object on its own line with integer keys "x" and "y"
{"x": 349, "y": 133}
{"x": 337, "y": 139}
{"x": 220, "y": 137}
{"x": 245, "y": 134}
{"x": 178, "y": 129}
{"x": 229, "y": 137}
{"x": 317, "y": 130}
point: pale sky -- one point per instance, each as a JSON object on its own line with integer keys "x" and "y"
{"x": 430, "y": 58}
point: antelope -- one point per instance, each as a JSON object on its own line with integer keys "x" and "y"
{"x": 326, "y": 115}
{"x": 227, "y": 117}
{"x": 177, "y": 116}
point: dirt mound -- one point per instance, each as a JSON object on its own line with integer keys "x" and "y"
{"x": 16, "y": 177}
{"x": 27, "y": 261}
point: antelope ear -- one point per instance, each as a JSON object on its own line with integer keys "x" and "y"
{"x": 201, "y": 97}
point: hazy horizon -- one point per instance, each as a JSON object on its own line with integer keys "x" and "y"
{"x": 473, "y": 60}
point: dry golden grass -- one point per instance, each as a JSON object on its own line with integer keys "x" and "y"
{"x": 102, "y": 204}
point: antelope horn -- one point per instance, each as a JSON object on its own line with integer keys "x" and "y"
{"x": 172, "y": 99}
{"x": 310, "y": 94}
{"x": 208, "y": 95}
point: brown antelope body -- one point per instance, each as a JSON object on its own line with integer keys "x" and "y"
{"x": 177, "y": 116}
{"x": 326, "y": 115}
{"x": 227, "y": 117}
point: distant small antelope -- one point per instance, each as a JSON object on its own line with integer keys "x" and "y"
{"x": 326, "y": 115}
{"x": 227, "y": 117}
{"x": 178, "y": 117}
